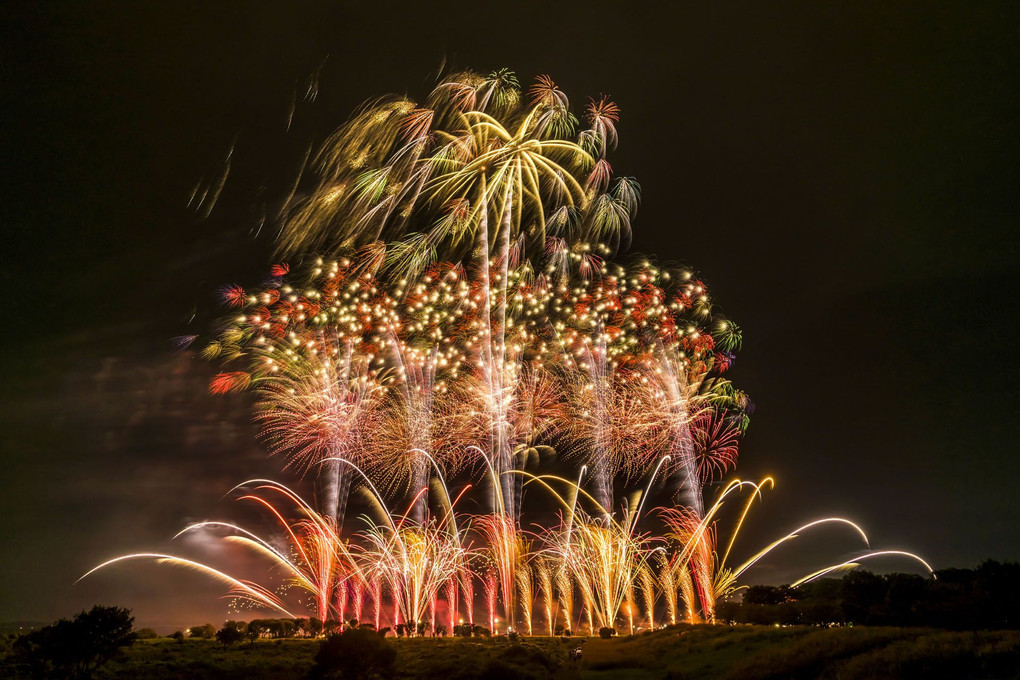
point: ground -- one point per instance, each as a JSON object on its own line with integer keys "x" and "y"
{"x": 745, "y": 652}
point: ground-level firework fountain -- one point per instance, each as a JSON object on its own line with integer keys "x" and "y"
{"x": 467, "y": 327}
{"x": 582, "y": 575}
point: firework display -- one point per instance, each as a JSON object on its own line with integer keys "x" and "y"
{"x": 458, "y": 325}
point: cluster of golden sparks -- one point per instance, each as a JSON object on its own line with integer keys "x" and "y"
{"x": 470, "y": 325}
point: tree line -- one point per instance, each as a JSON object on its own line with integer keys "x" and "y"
{"x": 985, "y": 598}
{"x": 275, "y": 629}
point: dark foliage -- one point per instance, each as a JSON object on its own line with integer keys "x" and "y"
{"x": 986, "y": 598}
{"x": 411, "y": 629}
{"x": 355, "y": 654}
{"x": 274, "y": 628}
{"x": 254, "y": 629}
{"x": 206, "y": 631}
{"x": 76, "y": 648}
{"x": 241, "y": 626}
{"x": 605, "y": 633}
{"x": 229, "y": 635}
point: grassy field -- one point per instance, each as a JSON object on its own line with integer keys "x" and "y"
{"x": 744, "y": 652}
{"x": 760, "y": 653}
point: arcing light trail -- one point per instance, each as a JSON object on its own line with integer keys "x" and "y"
{"x": 592, "y": 572}
{"x": 458, "y": 312}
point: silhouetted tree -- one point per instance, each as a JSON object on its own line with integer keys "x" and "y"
{"x": 76, "y": 648}
{"x": 206, "y": 631}
{"x": 237, "y": 625}
{"x": 255, "y": 628}
{"x": 228, "y": 636}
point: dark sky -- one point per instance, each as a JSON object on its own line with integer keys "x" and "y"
{"x": 844, "y": 175}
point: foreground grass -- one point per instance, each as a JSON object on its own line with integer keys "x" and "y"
{"x": 703, "y": 652}
{"x": 165, "y": 659}
{"x": 445, "y": 658}
{"x": 763, "y": 653}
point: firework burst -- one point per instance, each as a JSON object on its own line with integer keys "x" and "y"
{"x": 470, "y": 320}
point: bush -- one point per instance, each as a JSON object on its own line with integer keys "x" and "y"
{"x": 357, "y": 654}
{"x": 605, "y": 632}
{"x": 146, "y": 634}
{"x": 206, "y": 632}
{"x": 74, "y": 649}
{"x": 177, "y": 635}
{"x": 228, "y": 636}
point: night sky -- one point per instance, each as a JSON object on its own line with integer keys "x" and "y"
{"x": 843, "y": 175}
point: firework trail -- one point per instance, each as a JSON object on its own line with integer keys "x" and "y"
{"x": 525, "y": 594}
{"x": 321, "y": 410}
{"x": 544, "y": 576}
{"x": 490, "y": 585}
{"x": 606, "y": 564}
